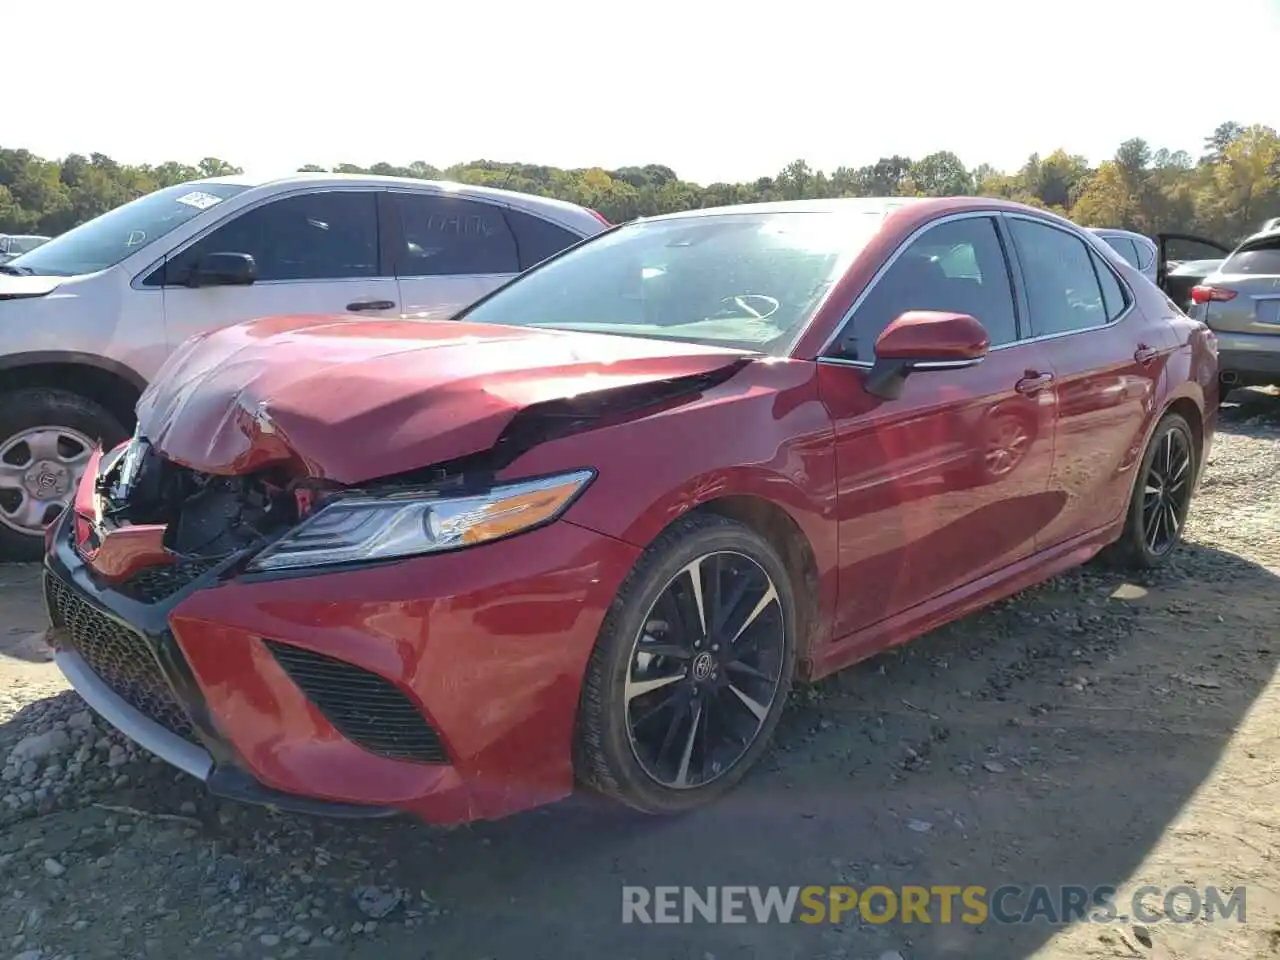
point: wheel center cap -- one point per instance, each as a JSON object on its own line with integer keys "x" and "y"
{"x": 703, "y": 667}
{"x": 46, "y": 480}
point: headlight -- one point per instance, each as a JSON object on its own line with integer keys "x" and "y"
{"x": 405, "y": 525}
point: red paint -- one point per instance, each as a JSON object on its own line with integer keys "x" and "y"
{"x": 414, "y": 393}
{"x": 124, "y": 551}
{"x": 907, "y": 523}
{"x": 490, "y": 642}
{"x": 927, "y": 335}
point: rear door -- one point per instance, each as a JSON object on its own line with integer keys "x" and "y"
{"x": 317, "y": 252}
{"x": 450, "y": 251}
{"x": 1107, "y": 358}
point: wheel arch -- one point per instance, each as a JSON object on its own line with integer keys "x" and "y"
{"x": 785, "y": 534}
{"x": 112, "y": 385}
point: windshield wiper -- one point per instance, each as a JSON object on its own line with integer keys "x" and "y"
{"x": 16, "y": 271}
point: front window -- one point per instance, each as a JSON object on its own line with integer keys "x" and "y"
{"x": 106, "y": 240}
{"x": 748, "y": 281}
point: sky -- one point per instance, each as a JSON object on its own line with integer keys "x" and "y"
{"x": 714, "y": 90}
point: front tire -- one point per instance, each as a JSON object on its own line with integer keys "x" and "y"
{"x": 691, "y": 669}
{"x": 46, "y": 439}
{"x": 1161, "y": 498}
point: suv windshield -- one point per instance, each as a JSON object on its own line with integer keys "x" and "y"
{"x": 106, "y": 240}
{"x": 25, "y": 244}
{"x": 748, "y": 281}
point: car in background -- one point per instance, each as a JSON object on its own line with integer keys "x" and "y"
{"x": 16, "y": 244}
{"x": 90, "y": 316}
{"x": 1240, "y": 301}
{"x": 589, "y": 530}
{"x": 1184, "y": 261}
{"x": 1138, "y": 251}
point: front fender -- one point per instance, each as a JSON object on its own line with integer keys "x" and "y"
{"x": 764, "y": 433}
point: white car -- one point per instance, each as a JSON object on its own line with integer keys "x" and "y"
{"x": 1138, "y": 251}
{"x": 89, "y": 316}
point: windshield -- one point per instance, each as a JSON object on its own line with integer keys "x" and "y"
{"x": 106, "y": 240}
{"x": 25, "y": 244}
{"x": 748, "y": 281}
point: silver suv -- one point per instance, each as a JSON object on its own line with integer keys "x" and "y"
{"x": 1240, "y": 301}
{"x": 89, "y": 317}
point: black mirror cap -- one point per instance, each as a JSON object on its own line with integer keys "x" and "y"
{"x": 223, "y": 270}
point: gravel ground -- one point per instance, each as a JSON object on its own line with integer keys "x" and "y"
{"x": 1090, "y": 731}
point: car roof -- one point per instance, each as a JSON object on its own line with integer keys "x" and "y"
{"x": 571, "y": 211}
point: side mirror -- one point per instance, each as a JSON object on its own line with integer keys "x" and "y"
{"x": 223, "y": 270}
{"x": 924, "y": 340}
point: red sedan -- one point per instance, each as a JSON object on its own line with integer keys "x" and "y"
{"x": 593, "y": 528}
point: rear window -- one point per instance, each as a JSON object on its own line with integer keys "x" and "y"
{"x": 1259, "y": 257}
{"x": 1124, "y": 247}
{"x": 537, "y": 239}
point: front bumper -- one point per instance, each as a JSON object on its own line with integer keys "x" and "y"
{"x": 218, "y": 677}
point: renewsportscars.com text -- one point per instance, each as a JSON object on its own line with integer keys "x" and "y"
{"x": 970, "y": 904}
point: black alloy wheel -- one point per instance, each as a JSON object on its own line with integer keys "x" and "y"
{"x": 705, "y": 670}
{"x": 691, "y": 669}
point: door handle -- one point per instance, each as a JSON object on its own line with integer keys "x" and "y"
{"x": 1033, "y": 382}
{"x": 1144, "y": 354}
{"x": 357, "y": 305}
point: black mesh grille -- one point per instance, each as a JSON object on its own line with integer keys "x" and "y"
{"x": 117, "y": 654}
{"x": 364, "y": 707}
{"x": 153, "y": 584}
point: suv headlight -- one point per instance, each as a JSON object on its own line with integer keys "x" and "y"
{"x": 350, "y": 530}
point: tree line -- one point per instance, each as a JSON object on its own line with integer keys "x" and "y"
{"x": 1224, "y": 194}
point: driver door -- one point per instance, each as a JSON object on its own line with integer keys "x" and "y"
{"x": 947, "y": 483}
{"x": 316, "y": 253}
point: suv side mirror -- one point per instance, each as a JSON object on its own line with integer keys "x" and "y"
{"x": 924, "y": 340}
{"x": 223, "y": 270}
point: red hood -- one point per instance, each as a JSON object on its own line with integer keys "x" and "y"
{"x": 351, "y": 399}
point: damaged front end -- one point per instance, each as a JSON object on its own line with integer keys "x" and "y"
{"x": 274, "y": 520}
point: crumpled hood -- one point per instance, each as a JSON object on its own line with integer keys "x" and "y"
{"x": 21, "y": 288}
{"x": 350, "y": 399}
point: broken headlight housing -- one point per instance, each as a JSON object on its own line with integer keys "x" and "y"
{"x": 359, "y": 528}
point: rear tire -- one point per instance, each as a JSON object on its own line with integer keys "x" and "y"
{"x": 46, "y": 438}
{"x": 671, "y": 663}
{"x": 1161, "y": 498}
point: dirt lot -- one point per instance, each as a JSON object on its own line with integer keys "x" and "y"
{"x": 1069, "y": 736}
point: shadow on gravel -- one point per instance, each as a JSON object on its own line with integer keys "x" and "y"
{"x": 1247, "y": 409}
{"x": 1051, "y": 739}
{"x": 21, "y": 636}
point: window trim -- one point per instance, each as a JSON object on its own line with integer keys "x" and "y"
{"x": 398, "y": 230}
{"x": 1011, "y": 264}
{"x": 1150, "y": 250}
{"x": 301, "y": 190}
{"x": 1131, "y": 299}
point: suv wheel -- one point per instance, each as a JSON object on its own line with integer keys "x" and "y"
{"x": 46, "y": 439}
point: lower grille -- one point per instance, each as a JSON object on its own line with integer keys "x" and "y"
{"x": 153, "y": 584}
{"x": 364, "y": 707}
{"x": 117, "y": 654}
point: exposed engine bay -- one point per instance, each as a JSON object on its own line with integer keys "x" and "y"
{"x": 205, "y": 516}
{"x": 209, "y": 516}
